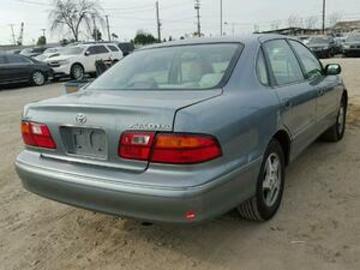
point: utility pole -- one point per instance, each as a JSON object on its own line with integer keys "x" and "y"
{"x": 221, "y": 18}
{"x": 197, "y": 8}
{"x": 158, "y": 23}
{"x": 95, "y": 28}
{"x": 12, "y": 33}
{"x": 108, "y": 27}
{"x": 323, "y": 16}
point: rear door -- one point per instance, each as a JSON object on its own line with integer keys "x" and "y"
{"x": 296, "y": 95}
{"x": 116, "y": 54}
{"x": 93, "y": 54}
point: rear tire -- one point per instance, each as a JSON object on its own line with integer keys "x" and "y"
{"x": 337, "y": 131}
{"x": 269, "y": 187}
{"x": 38, "y": 78}
{"x": 77, "y": 72}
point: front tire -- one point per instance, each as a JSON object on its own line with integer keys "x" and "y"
{"x": 337, "y": 131}
{"x": 77, "y": 72}
{"x": 269, "y": 187}
{"x": 38, "y": 78}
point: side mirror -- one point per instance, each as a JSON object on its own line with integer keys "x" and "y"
{"x": 87, "y": 53}
{"x": 332, "y": 69}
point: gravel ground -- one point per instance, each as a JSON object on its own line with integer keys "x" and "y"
{"x": 317, "y": 227}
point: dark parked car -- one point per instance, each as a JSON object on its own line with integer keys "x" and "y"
{"x": 126, "y": 47}
{"x": 351, "y": 46}
{"x": 185, "y": 131}
{"x": 323, "y": 46}
{"x": 33, "y": 52}
{"x": 21, "y": 69}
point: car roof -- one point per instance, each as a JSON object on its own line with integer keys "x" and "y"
{"x": 244, "y": 39}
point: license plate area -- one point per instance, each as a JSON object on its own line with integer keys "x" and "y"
{"x": 86, "y": 142}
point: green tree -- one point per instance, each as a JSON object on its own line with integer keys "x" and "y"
{"x": 41, "y": 41}
{"x": 144, "y": 38}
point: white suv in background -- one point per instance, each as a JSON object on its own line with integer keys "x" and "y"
{"x": 76, "y": 61}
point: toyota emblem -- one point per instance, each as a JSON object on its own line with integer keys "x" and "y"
{"x": 81, "y": 119}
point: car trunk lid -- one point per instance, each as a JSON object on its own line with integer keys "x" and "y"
{"x": 86, "y": 126}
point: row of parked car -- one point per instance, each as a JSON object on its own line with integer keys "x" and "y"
{"x": 328, "y": 46}
{"x": 37, "y": 66}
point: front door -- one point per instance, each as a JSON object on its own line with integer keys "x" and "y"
{"x": 325, "y": 87}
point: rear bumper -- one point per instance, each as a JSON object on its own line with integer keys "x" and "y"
{"x": 147, "y": 203}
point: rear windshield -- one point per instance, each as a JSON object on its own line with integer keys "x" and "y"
{"x": 183, "y": 67}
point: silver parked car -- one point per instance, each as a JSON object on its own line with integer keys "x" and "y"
{"x": 186, "y": 131}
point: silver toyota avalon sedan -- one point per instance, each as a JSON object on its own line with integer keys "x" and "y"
{"x": 185, "y": 131}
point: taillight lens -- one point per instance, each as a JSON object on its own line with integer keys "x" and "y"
{"x": 136, "y": 145}
{"x": 172, "y": 148}
{"x": 36, "y": 134}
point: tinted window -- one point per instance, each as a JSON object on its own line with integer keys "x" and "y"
{"x": 113, "y": 48}
{"x": 17, "y": 59}
{"x": 183, "y": 67}
{"x": 311, "y": 65}
{"x": 261, "y": 69}
{"x": 284, "y": 65}
{"x": 97, "y": 50}
{"x": 2, "y": 60}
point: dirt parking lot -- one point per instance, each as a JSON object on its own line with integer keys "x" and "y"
{"x": 318, "y": 226}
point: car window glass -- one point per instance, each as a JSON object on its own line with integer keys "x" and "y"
{"x": 261, "y": 69}
{"x": 97, "y": 50}
{"x": 2, "y": 60}
{"x": 312, "y": 66}
{"x": 17, "y": 59}
{"x": 284, "y": 65}
{"x": 113, "y": 48}
{"x": 178, "y": 67}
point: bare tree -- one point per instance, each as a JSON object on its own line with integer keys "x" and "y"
{"x": 334, "y": 18}
{"x": 311, "y": 22}
{"x": 275, "y": 25}
{"x": 73, "y": 14}
{"x": 294, "y": 21}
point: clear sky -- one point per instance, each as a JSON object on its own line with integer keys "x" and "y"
{"x": 177, "y": 16}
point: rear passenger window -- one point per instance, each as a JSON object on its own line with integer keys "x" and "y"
{"x": 97, "y": 50}
{"x": 312, "y": 66}
{"x": 283, "y": 63}
{"x": 113, "y": 48}
{"x": 261, "y": 69}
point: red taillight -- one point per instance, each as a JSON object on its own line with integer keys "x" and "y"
{"x": 171, "y": 148}
{"x": 36, "y": 134}
{"x": 136, "y": 145}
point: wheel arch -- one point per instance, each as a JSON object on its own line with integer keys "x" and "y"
{"x": 284, "y": 139}
{"x": 345, "y": 96}
{"x": 77, "y": 63}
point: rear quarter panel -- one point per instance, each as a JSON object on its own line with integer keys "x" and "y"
{"x": 243, "y": 119}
